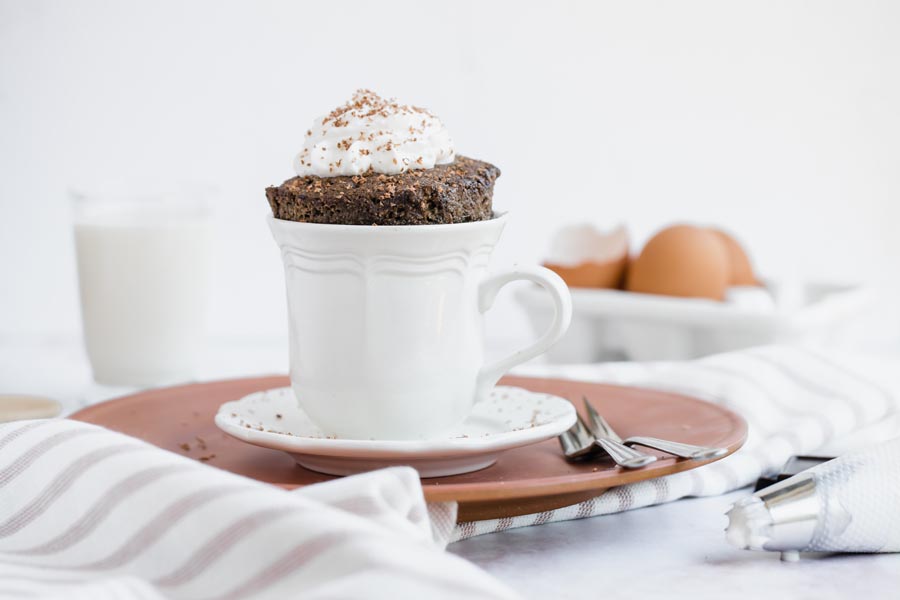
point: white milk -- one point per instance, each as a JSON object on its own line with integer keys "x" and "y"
{"x": 143, "y": 275}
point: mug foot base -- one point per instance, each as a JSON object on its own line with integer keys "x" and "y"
{"x": 427, "y": 467}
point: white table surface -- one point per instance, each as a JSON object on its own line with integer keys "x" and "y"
{"x": 672, "y": 551}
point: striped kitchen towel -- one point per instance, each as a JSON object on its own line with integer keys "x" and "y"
{"x": 89, "y": 513}
{"x": 795, "y": 401}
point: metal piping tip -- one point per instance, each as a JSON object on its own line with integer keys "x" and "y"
{"x": 782, "y": 517}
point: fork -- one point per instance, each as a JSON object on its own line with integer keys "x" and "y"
{"x": 606, "y": 438}
{"x": 678, "y": 449}
{"x": 578, "y": 442}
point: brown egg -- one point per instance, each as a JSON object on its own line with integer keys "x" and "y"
{"x": 741, "y": 269}
{"x": 586, "y": 257}
{"x": 682, "y": 260}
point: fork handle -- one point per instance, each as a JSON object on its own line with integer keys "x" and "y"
{"x": 625, "y": 456}
{"x": 677, "y": 448}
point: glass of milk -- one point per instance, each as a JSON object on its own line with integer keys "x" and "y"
{"x": 143, "y": 274}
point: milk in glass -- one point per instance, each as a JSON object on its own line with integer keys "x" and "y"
{"x": 143, "y": 277}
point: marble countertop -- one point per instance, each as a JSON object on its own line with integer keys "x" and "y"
{"x": 673, "y": 551}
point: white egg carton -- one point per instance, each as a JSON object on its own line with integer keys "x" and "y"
{"x": 617, "y": 325}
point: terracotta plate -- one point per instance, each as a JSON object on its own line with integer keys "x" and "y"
{"x": 525, "y": 480}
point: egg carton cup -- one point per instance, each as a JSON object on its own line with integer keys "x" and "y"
{"x": 612, "y": 325}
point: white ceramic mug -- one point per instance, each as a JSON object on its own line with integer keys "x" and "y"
{"x": 386, "y": 332}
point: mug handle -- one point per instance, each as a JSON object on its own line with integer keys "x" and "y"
{"x": 562, "y": 303}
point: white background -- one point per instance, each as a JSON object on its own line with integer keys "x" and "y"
{"x": 777, "y": 120}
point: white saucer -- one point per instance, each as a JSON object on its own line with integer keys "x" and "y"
{"x": 509, "y": 418}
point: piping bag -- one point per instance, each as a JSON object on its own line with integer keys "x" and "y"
{"x": 849, "y": 504}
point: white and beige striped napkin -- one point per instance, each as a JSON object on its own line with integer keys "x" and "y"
{"x": 89, "y": 513}
{"x": 795, "y": 401}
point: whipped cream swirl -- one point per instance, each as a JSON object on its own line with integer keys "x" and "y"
{"x": 369, "y": 133}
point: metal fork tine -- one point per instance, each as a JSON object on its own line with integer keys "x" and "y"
{"x": 599, "y": 425}
{"x": 589, "y": 408}
{"x": 584, "y": 431}
{"x": 568, "y": 444}
{"x": 577, "y": 441}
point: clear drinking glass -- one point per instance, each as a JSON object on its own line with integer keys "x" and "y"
{"x": 143, "y": 274}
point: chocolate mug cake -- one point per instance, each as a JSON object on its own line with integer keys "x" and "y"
{"x": 374, "y": 161}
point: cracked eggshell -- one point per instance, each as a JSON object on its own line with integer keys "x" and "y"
{"x": 586, "y": 257}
